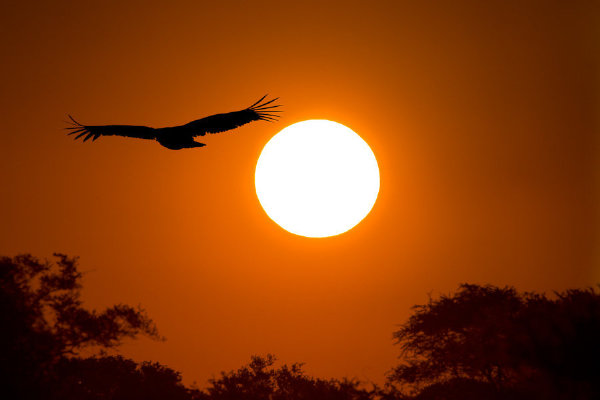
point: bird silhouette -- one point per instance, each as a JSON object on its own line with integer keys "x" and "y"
{"x": 182, "y": 136}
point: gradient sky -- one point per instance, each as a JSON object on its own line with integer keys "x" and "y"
{"x": 484, "y": 118}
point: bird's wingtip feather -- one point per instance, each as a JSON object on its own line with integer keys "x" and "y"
{"x": 259, "y": 100}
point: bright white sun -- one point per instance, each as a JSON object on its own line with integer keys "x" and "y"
{"x": 317, "y": 178}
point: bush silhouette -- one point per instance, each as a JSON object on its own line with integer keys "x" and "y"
{"x": 260, "y": 380}
{"x": 117, "y": 378}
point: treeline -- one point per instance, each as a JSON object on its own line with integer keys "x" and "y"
{"x": 481, "y": 342}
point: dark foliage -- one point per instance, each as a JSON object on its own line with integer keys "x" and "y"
{"x": 260, "y": 380}
{"x": 45, "y": 327}
{"x": 489, "y": 342}
{"x": 117, "y": 378}
{"x": 482, "y": 342}
{"x": 43, "y": 322}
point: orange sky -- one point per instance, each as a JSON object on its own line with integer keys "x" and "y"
{"x": 484, "y": 119}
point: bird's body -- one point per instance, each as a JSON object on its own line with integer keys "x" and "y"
{"x": 182, "y": 136}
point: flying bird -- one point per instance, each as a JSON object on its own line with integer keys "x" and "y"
{"x": 182, "y": 136}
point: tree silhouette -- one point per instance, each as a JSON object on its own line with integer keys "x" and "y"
{"x": 117, "y": 378}
{"x": 482, "y": 342}
{"x": 43, "y": 321}
{"x": 260, "y": 380}
{"x": 45, "y": 327}
{"x": 490, "y": 342}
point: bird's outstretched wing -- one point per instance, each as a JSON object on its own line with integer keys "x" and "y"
{"x": 260, "y": 110}
{"x": 95, "y": 131}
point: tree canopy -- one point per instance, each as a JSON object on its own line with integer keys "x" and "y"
{"x": 481, "y": 342}
{"x": 260, "y": 380}
{"x": 45, "y": 327}
{"x": 117, "y": 378}
{"x": 499, "y": 343}
{"x": 44, "y": 322}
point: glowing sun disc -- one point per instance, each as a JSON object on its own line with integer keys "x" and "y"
{"x": 317, "y": 178}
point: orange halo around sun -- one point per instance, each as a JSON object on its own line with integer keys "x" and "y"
{"x": 317, "y": 178}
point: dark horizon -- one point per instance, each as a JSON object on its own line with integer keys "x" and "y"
{"x": 478, "y": 342}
